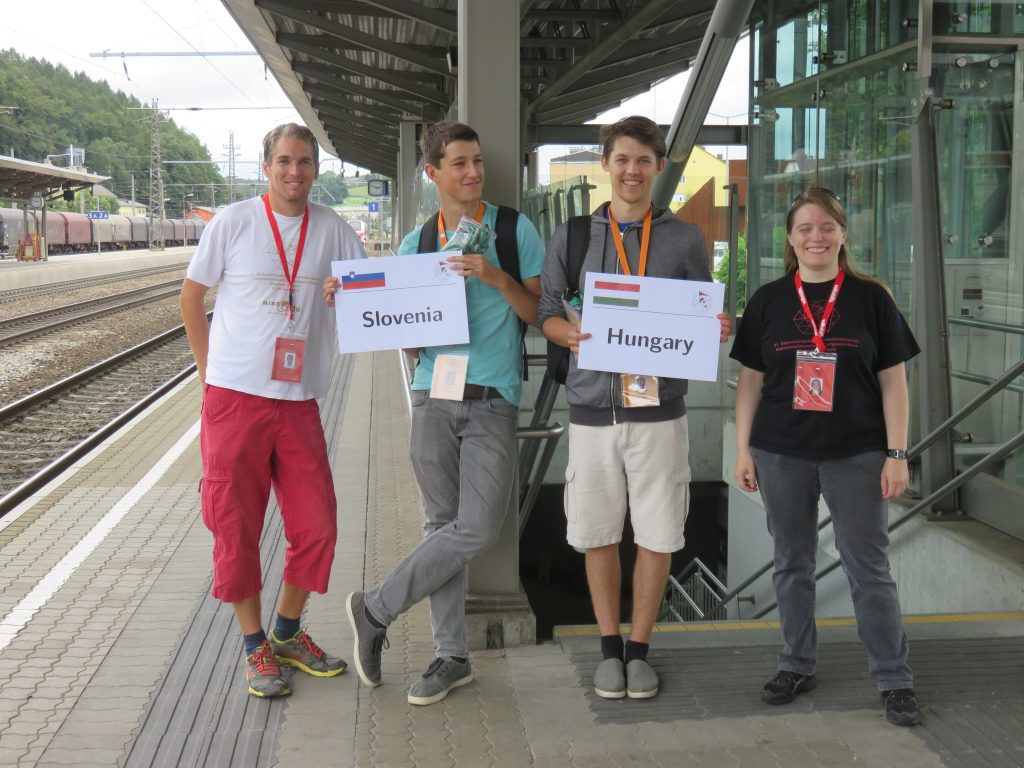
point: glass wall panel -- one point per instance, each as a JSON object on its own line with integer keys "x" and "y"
{"x": 975, "y": 139}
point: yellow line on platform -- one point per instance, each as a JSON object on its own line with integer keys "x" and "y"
{"x": 716, "y": 626}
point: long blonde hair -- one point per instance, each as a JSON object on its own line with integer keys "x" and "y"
{"x": 829, "y": 202}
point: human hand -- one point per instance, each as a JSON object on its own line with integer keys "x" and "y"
{"x": 895, "y": 478}
{"x": 331, "y": 285}
{"x": 574, "y": 338}
{"x": 726, "y": 322}
{"x": 745, "y": 473}
{"x": 476, "y": 265}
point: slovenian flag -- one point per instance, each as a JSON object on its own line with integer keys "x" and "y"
{"x": 352, "y": 281}
{"x": 617, "y": 294}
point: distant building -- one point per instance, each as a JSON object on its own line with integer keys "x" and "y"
{"x": 701, "y": 167}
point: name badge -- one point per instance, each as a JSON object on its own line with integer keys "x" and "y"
{"x": 288, "y": 355}
{"x": 815, "y": 381}
{"x": 449, "y": 379}
{"x": 639, "y": 390}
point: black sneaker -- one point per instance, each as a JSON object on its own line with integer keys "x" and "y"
{"x": 784, "y": 687}
{"x": 901, "y": 706}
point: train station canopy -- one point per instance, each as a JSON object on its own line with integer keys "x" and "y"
{"x": 355, "y": 69}
{"x": 21, "y": 179}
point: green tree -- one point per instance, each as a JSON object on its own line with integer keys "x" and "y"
{"x": 722, "y": 273}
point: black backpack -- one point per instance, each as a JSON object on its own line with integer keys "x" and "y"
{"x": 577, "y": 238}
{"x": 505, "y": 244}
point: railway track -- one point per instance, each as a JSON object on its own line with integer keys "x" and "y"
{"x": 18, "y": 329}
{"x": 43, "y": 433}
{"x": 35, "y": 291}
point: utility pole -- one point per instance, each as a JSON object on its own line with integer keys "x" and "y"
{"x": 156, "y": 183}
{"x": 230, "y": 147}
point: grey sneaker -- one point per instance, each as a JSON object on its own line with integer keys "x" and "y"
{"x": 641, "y": 680}
{"x": 442, "y": 675}
{"x": 369, "y": 640}
{"x": 610, "y": 679}
{"x": 302, "y": 653}
{"x": 263, "y": 674}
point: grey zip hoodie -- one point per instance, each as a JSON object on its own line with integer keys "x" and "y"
{"x": 677, "y": 250}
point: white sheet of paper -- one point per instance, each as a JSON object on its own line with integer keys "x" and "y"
{"x": 396, "y": 302}
{"x": 651, "y": 325}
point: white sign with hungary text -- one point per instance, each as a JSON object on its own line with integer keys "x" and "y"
{"x": 651, "y": 325}
{"x": 396, "y": 302}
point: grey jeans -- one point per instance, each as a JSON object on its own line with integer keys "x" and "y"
{"x": 464, "y": 458}
{"x": 790, "y": 487}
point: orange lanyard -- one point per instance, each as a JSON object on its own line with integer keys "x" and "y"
{"x": 645, "y": 242}
{"x": 440, "y": 224}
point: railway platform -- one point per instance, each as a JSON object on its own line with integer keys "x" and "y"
{"x": 113, "y": 653}
{"x": 72, "y": 266}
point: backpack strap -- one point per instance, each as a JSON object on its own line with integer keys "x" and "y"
{"x": 428, "y": 236}
{"x": 506, "y": 243}
{"x": 577, "y": 240}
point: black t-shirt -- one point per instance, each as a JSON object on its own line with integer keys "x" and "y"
{"x": 868, "y": 334}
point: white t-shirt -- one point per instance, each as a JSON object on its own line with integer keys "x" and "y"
{"x": 237, "y": 253}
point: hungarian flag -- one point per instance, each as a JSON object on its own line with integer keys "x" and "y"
{"x": 617, "y": 294}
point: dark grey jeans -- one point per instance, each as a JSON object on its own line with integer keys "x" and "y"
{"x": 464, "y": 458}
{"x": 790, "y": 487}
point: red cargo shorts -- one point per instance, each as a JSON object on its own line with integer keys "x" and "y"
{"x": 250, "y": 444}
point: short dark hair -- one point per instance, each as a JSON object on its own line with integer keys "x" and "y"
{"x": 638, "y": 128}
{"x": 295, "y": 131}
{"x": 439, "y": 135}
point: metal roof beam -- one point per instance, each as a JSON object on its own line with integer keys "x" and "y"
{"x": 338, "y": 65}
{"x": 320, "y": 97}
{"x": 587, "y": 134}
{"x": 388, "y": 98}
{"x": 353, "y": 150}
{"x": 602, "y": 51}
{"x": 569, "y": 15}
{"x": 406, "y": 53}
{"x": 347, "y": 7}
{"x": 350, "y": 138}
{"x": 441, "y": 20}
{"x": 374, "y": 130}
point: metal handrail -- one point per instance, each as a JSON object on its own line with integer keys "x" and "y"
{"x": 966, "y": 410}
{"x": 986, "y": 325}
{"x": 975, "y": 469}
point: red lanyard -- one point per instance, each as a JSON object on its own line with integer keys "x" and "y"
{"x": 818, "y": 331}
{"x": 440, "y": 224}
{"x": 290, "y": 280}
{"x": 645, "y": 242}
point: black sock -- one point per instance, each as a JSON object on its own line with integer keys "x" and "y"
{"x": 369, "y": 618}
{"x": 254, "y": 641}
{"x": 611, "y": 646}
{"x": 635, "y": 650}
{"x": 460, "y": 659}
{"x": 285, "y": 628}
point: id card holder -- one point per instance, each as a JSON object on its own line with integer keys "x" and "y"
{"x": 815, "y": 381}
{"x": 449, "y": 379}
{"x": 288, "y": 355}
{"x": 639, "y": 390}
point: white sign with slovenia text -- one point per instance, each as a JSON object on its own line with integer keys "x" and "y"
{"x": 396, "y": 302}
{"x": 651, "y": 325}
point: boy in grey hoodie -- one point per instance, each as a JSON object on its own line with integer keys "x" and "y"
{"x": 616, "y": 450}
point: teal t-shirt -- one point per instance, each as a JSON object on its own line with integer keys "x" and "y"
{"x": 495, "y": 354}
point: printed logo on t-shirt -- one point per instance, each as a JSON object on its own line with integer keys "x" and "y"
{"x": 817, "y": 309}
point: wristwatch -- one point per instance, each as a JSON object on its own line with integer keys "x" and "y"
{"x": 897, "y": 453}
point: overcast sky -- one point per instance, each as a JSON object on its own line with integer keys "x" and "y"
{"x": 68, "y": 31}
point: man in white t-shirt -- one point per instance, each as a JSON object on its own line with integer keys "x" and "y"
{"x": 263, "y": 362}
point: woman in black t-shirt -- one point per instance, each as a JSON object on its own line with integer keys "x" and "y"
{"x": 822, "y": 410}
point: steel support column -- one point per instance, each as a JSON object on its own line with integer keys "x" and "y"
{"x": 931, "y": 384}
{"x": 406, "y": 218}
{"x": 727, "y": 22}
{"x": 498, "y": 613}
{"x": 488, "y": 91}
